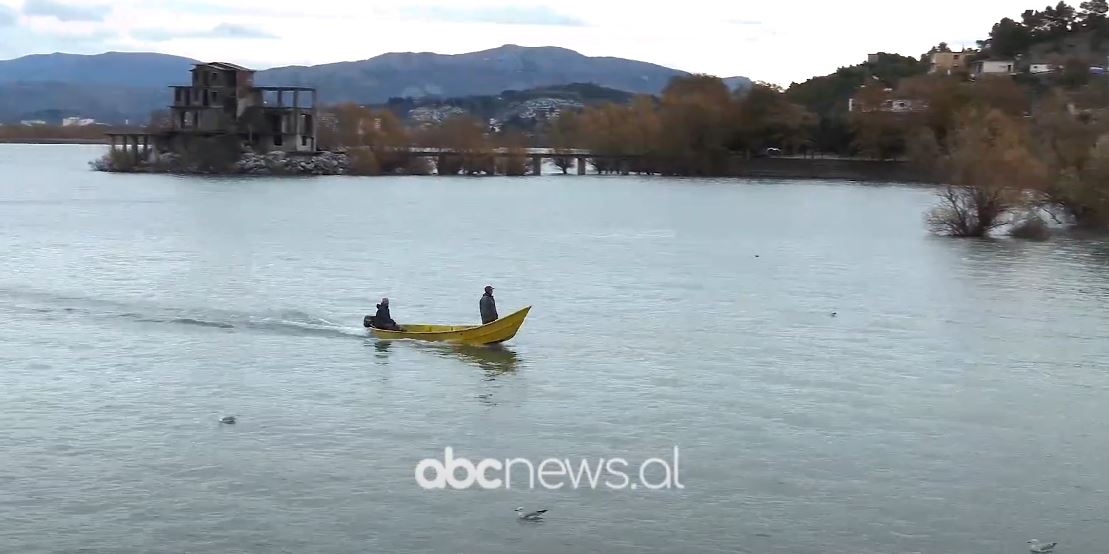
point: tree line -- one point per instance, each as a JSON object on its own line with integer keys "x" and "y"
{"x": 697, "y": 127}
{"x": 1010, "y": 37}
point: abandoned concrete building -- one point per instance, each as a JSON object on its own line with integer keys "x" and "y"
{"x": 222, "y": 101}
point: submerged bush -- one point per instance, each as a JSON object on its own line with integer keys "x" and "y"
{"x": 1030, "y": 227}
{"x": 418, "y": 165}
{"x": 989, "y": 166}
{"x": 121, "y": 161}
{"x": 363, "y": 161}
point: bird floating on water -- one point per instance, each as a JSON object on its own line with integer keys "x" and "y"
{"x": 530, "y": 516}
{"x": 1041, "y": 547}
{"x": 834, "y": 314}
{"x": 229, "y": 420}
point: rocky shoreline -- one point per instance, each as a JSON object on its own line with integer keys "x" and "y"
{"x": 250, "y": 163}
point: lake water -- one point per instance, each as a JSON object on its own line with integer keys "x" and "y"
{"x": 957, "y": 403}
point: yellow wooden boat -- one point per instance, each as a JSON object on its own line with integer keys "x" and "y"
{"x": 492, "y": 333}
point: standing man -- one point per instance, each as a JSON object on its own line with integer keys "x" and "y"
{"x": 488, "y": 307}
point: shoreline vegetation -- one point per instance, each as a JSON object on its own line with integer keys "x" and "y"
{"x": 1008, "y": 151}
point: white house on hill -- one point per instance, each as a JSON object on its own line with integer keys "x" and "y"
{"x": 993, "y": 67}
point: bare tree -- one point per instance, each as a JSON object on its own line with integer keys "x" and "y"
{"x": 989, "y": 167}
{"x": 563, "y": 161}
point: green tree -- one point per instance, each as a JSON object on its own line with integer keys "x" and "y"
{"x": 1092, "y": 14}
{"x": 1009, "y": 38}
{"x": 765, "y": 118}
{"x": 697, "y": 113}
{"x": 1060, "y": 19}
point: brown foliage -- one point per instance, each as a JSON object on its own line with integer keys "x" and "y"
{"x": 17, "y": 133}
{"x": 698, "y": 114}
{"x": 363, "y": 161}
{"x": 988, "y": 167}
{"x": 122, "y": 161}
{"x": 377, "y": 139}
{"x": 881, "y": 135}
{"x": 514, "y": 161}
{"x": 697, "y": 127}
{"x": 1084, "y": 193}
{"x": 466, "y": 136}
{"x": 1072, "y": 143}
{"x": 448, "y": 164}
{"x": 940, "y": 102}
{"x": 418, "y": 165}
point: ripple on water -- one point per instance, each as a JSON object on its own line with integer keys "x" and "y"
{"x": 955, "y": 402}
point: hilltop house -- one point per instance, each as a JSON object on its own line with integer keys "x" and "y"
{"x": 77, "y": 122}
{"x": 885, "y": 100}
{"x": 993, "y": 67}
{"x": 1041, "y": 68}
{"x": 222, "y": 101}
{"x": 947, "y": 63}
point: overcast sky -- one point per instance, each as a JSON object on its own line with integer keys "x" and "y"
{"x": 771, "y": 41}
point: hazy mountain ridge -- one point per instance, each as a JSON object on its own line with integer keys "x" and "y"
{"x": 117, "y": 85}
{"x": 486, "y": 72}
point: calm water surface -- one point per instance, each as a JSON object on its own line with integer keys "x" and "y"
{"x": 958, "y": 403}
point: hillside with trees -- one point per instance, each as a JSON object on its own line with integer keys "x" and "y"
{"x": 1059, "y": 29}
{"x": 519, "y": 109}
{"x": 827, "y": 97}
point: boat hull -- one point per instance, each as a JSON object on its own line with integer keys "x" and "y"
{"x": 492, "y": 333}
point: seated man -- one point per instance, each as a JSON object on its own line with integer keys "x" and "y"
{"x": 383, "y": 319}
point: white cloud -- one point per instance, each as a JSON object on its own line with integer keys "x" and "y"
{"x": 66, "y": 12}
{"x": 8, "y": 16}
{"x": 500, "y": 15}
{"x": 221, "y": 31}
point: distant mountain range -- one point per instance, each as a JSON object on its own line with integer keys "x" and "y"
{"x": 119, "y": 86}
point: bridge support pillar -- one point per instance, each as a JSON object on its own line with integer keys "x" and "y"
{"x": 581, "y": 165}
{"x": 537, "y": 165}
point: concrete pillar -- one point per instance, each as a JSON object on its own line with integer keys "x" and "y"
{"x": 280, "y": 98}
{"x": 146, "y": 146}
{"x": 296, "y": 98}
{"x": 135, "y": 147}
{"x": 537, "y": 165}
{"x": 315, "y": 123}
{"x": 581, "y": 165}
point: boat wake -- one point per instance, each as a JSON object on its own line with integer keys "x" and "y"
{"x": 284, "y": 322}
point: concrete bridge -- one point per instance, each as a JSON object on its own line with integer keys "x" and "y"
{"x": 537, "y": 155}
{"x": 140, "y": 145}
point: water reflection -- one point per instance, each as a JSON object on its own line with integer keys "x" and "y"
{"x": 495, "y": 360}
{"x": 381, "y": 351}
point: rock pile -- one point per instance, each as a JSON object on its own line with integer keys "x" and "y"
{"x": 280, "y": 163}
{"x": 250, "y": 163}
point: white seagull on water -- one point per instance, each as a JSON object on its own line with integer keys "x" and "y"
{"x": 537, "y": 515}
{"x": 1041, "y": 547}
